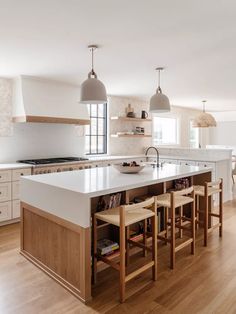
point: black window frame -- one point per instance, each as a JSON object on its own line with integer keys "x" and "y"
{"x": 104, "y": 135}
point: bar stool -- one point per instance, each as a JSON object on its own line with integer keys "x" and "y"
{"x": 123, "y": 217}
{"x": 173, "y": 201}
{"x": 207, "y": 191}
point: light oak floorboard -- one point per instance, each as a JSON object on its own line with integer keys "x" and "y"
{"x": 204, "y": 283}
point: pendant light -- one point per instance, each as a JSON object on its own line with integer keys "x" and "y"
{"x": 204, "y": 120}
{"x": 159, "y": 102}
{"x": 93, "y": 91}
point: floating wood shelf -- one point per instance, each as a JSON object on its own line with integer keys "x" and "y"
{"x": 130, "y": 135}
{"x": 131, "y": 119}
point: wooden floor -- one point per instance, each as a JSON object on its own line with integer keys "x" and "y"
{"x": 205, "y": 283}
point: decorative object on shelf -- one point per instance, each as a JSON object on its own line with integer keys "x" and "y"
{"x": 139, "y": 130}
{"x": 93, "y": 90}
{"x": 204, "y": 119}
{"x": 130, "y": 111}
{"x": 159, "y": 102}
{"x": 144, "y": 114}
{"x": 130, "y": 134}
{"x": 127, "y": 168}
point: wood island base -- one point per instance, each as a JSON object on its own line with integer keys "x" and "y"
{"x": 59, "y": 248}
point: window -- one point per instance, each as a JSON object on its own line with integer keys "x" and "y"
{"x": 165, "y": 131}
{"x": 96, "y": 132}
{"x": 194, "y": 136}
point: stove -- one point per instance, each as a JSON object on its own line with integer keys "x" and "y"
{"x": 48, "y": 165}
{"x": 47, "y": 161}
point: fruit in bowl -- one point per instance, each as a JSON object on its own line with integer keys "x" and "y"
{"x": 130, "y": 164}
{"x": 129, "y": 167}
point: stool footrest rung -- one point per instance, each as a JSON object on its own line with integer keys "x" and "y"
{"x": 139, "y": 271}
{"x": 200, "y": 222}
{"x": 109, "y": 262}
{"x": 163, "y": 239}
{"x": 141, "y": 245}
{"x": 182, "y": 227}
{"x": 182, "y": 245}
{"x": 214, "y": 227}
{"x": 214, "y": 215}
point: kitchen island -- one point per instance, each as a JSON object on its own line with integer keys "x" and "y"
{"x": 56, "y": 211}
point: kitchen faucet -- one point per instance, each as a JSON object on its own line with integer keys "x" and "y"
{"x": 157, "y": 153}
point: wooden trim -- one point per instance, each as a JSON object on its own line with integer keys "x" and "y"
{"x": 58, "y": 247}
{"x": 47, "y": 119}
{"x": 131, "y": 135}
{"x": 52, "y": 274}
{"x": 131, "y": 119}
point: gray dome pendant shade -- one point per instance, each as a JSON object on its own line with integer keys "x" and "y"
{"x": 93, "y": 90}
{"x": 159, "y": 102}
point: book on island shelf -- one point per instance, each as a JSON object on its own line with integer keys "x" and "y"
{"x": 106, "y": 246}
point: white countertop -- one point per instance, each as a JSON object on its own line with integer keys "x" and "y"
{"x": 105, "y": 180}
{"x": 68, "y": 194}
{"x": 13, "y": 166}
{"x": 109, "y": 157}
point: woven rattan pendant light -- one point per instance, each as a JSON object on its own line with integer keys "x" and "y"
{"x": 204, "y": 119}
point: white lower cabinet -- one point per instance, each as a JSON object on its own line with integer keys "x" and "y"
{"x": 15, "y": 209}
{"x": 5, "y": 192}
{"x": 5, "y": 211}
{"x": 10, "y": 194}
{"x": 15, "y": 190}
{"x": 5, "y": 176}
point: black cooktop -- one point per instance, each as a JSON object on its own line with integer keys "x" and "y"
{"x": 45, "y": 161}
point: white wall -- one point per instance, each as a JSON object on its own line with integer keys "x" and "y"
{"x": 224, "y": 134}
{"x": 36, "y": 140}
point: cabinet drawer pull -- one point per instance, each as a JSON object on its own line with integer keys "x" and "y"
{"x": 0, "y": 212}
{"x": 22, "y": 174}
{"x": 0, "y": 177}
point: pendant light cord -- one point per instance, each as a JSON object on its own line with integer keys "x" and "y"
{"x": 204, "y": 105}
{"x": 92, "y": 73}
{"x": 159, "y": 80}
{"x": 92, "y": 59}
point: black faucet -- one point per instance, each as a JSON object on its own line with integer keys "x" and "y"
{"x": 157, "y": 152}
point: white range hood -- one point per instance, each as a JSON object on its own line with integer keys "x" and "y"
{"x": 47, "y": 101}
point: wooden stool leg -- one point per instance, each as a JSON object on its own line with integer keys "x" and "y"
{"x": 122, "y": 255}
{"x": 94, "y": 249}
{"x": 154, "y": 247}
{"x": 221, "y": 211}
{"x": 193, "y": 226}
{"x": 172, "y": 235}
{"x": 197, "y": 210}
{"x": 180, "y": 222}
{"x": 166, "y": 223}
{"x": 145, "y": 236}
{"x": 127, "y": 260}
{"x": 206, "y": 220}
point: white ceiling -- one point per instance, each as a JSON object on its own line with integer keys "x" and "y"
{"x": 194, "y": 39}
